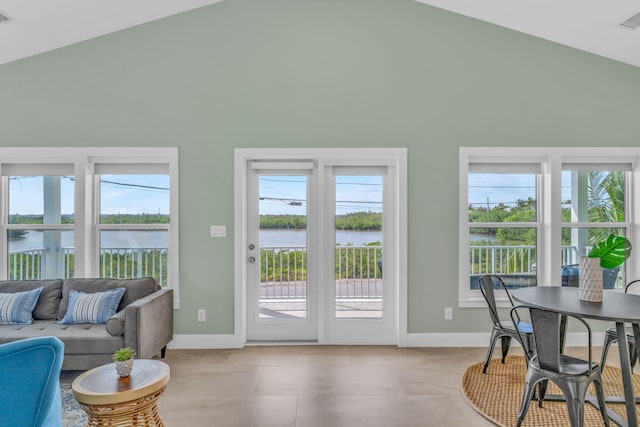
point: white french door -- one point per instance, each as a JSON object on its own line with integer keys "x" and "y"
{"x": 318, "y": 252}
{"x": 282, "y": 287}
{"x": 360, "y": 302}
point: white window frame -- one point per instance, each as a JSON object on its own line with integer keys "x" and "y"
{"x": 549, "y": 195}
{"x": 86, "y": 225}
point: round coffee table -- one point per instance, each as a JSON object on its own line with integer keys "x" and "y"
{"x": 113, "y": 401}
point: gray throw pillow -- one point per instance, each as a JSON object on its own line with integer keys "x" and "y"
{"x": 47, "y": 305}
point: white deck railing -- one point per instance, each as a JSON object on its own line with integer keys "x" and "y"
{"x": 283, "y": 269}
{"x": 120, "y": 263}
{"x": 511, "y": 259}
{"x": 283, "y": 272}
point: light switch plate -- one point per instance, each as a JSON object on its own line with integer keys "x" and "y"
{"x": 218, "y": 231}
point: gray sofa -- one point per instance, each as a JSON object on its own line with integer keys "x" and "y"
{"x": 144, "y": 319}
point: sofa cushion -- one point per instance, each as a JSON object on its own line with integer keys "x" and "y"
{"x": 85, "y": 338}
{"x": 47, "y": 306}
{"x": 93, "y": 307}
{"x": 135, "y": 289}
{"x": 16, "y": 307}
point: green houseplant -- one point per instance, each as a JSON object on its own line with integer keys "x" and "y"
{"x": 612, "y": 251}
{"x": 123, "y": 359}
{"x": 608, "y": 253}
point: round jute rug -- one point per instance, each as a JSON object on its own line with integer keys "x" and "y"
{"x": 497, "y": 395}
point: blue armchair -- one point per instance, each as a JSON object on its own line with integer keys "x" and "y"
{"x": 30, "y": 382}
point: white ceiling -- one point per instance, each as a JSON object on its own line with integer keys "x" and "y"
{"x": 38, "y": 26}
{"x": 589, "y": 25}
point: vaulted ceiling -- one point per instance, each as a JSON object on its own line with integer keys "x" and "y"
{"x": 589, "y": 25}
{"x": 37, "y": 26}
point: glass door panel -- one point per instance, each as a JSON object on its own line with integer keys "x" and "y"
{"x": 283, "y": 247}
{"x": 358, "y": 250}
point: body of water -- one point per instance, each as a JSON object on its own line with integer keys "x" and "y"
{"x": 299, "y": 237}
{"x": 109, "y": 239}
{"x": 481, "y": 237}
{"x": 158, "y": 239}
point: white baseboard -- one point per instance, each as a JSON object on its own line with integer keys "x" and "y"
{"x": 204, "y": 342}
{"x": 481, "y": 339}
{"x": 460, "y": 339}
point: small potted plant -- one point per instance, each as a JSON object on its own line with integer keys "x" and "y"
{"x": 123, "y": 359}
{"x": 608, "y": 253}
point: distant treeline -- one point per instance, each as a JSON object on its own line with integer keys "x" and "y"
{"x": 104, "y": 219}
{"x": 359, "y": 221}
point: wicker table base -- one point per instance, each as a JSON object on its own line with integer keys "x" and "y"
{"x": 141, "y": 412}
{"x": 119, "y": 402}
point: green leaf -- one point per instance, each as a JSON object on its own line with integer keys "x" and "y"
{"x": 612, "y": 251}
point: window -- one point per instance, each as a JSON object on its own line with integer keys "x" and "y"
{"x": 503, "y": 223}
{"x": 134, "y": 223}
{"x": 89, "y": 212}
{"x": 41, "y": 221}
{"x": 593, "y": 207}
{"x": 528, "y": 214}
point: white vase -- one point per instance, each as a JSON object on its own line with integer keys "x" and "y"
{"x": 124, "y": 368}
{"x": 590, "y": 288}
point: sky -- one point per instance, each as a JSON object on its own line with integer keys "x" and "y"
{"x": 130, "y": 194}
{"x": 281, "y": 195}
{"x": 135, "y": 194}
{"x": 286, "y": 195}
{"x": 491, "y": 189}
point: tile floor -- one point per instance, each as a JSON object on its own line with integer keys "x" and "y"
{"x": 309, "y": 386}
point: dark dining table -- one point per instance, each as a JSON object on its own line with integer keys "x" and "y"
{"x": 616, "y": 307}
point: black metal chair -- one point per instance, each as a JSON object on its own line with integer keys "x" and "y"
{"x": 572, "y": 375}
{"x": 503, "y": 329}
{"x": 611, "y": 336}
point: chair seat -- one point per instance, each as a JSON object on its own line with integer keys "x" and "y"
{"x": 568, "y": 365}
{"x": 572, "y": 366}
{"x": 523, "y": 327}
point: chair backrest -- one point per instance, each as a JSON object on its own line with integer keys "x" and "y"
{"x": 487, "y": 284}
{"x": 547, "y": 335}
{"x": 632, "y": 287}
{"x": 30, "y": 382}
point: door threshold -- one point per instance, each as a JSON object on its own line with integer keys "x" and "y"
{"x": 292, "y": 342}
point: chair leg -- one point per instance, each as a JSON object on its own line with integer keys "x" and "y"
{"x": 601, "y": 402}
{"x": 542, "y": 391}
{"x": 506, "y": 342}
{"x": 529, "y": 387}
{"x": 574, "y": 394}
{"x": 492, "y": 343}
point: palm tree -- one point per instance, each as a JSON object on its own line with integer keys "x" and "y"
{"x": 605, "y": 200}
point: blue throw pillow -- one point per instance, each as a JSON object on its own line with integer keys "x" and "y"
{"x": 16, "y": 308}
{"x": 96, "y": 307}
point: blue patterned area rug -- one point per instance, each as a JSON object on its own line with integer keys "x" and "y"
{"x": 72, "y": 413}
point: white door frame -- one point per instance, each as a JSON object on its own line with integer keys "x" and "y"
{"x": 396, "y": 157}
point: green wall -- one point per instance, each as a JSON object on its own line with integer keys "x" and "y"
{"x": 309, "y": 73}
